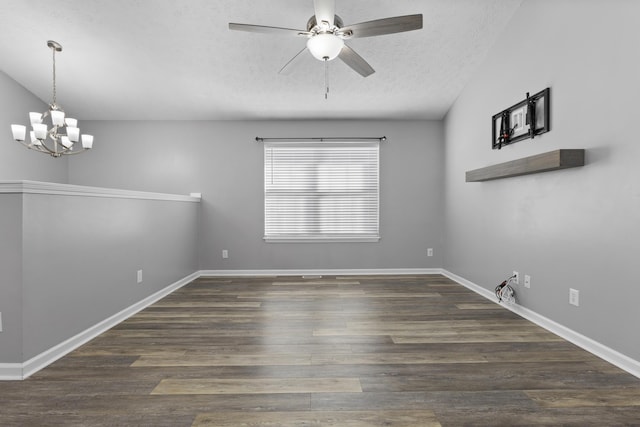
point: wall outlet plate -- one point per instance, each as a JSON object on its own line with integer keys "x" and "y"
{"x": 527, "y": 281}
{"x": 516, "y": 280}
{"x": 0, "y": 322}
{"x": 429, "y": 251}
{"x": 139, "y": 276}
{"x": 225, "y": 254}
{"x": 574, "y": 297}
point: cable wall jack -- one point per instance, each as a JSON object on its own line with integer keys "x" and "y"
{"x": 505, "y": 292}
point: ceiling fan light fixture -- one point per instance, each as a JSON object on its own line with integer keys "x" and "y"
{"x": 325, "y": 46}
{"x": 325, "y": 34}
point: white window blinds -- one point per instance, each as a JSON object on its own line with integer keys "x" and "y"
{"x": 321, "y": 191}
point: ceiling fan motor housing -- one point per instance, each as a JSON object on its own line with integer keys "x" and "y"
{"x": 312, "y": 24}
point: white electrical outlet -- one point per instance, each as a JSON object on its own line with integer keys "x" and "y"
{"x": 225, "y": 254}
{"x": 139, "y": 276}
{"x": 574, "y": 297}
{"x": 516, "y": 279}
{"x": 527, "y": 281}
{"x": 0, "y": 322}
{"x": 429, "y": 251}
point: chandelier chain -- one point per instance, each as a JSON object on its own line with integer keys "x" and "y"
{"x": 54, "y": 75}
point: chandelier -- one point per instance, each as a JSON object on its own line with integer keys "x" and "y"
{"x": 60, "y": 139}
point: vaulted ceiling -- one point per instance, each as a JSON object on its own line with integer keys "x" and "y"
{"x": 177, "y": 59}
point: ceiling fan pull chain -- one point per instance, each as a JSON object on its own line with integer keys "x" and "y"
{"x": 326, "y": 77}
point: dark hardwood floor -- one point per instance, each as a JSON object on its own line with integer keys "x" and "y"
{"x": 338, "y": 351}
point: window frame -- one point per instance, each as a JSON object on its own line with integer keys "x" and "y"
{"x": 372, "y": 198}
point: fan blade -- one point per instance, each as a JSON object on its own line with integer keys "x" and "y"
{"x": 355, "y": 61}
{"x": 268, "y": 30}
{"x": 325, "y": 11}
{"x": 292, "y": 62}
{"x": 379, "y": 27}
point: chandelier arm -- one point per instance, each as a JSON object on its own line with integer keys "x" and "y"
{"x": 58, "y": 153}
{"x": 63, "y": 151}
{"x": 39, "y": 149}
{"x": 45, "y": 149}
{"x": 29, "y": 146}
{"x": 71, "y": 153}
{"x": 55, "y": 139}
{"x": 58, "y": 149}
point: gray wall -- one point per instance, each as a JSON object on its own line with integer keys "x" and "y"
{"x": 69, "y": 262}
{"x": 17, "y": 162}
{"x": 83, "y": 270}
{"x": 222, "y": 160}
{"x": 573, "y": 228}
{"x": 11, "y": 277}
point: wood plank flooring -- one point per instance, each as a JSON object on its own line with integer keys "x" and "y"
{"x": 331, "y": 351}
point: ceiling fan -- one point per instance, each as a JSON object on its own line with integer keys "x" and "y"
{"x": 326, "y": 34}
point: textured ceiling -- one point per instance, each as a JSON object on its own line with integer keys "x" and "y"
{"x": 177, "y": 59}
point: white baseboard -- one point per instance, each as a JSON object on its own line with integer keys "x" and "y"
{"x": 20, "y": 371}
{"x": 10, "y": 371}
{"x": 320, "y": 272}
{"x": 612, "y": 356}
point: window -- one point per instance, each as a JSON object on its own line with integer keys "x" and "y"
{"x": 327, "y": 191}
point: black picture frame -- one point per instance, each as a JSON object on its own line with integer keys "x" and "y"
{"x": 514, "y": 123}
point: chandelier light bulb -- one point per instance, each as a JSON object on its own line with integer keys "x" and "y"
{"x": 87, "y": 141}
{"x": 35, "y": 118}
{"x": 34, "y": 140}
{"x": 19, "y": 132}
{"x": 57, "y": 118}
{"x": 73, "y": 134}
{"x": 40, "y": 131}
{"x": 325, "y": 46}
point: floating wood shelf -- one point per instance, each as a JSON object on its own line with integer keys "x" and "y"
{"x": 545, "y": 162}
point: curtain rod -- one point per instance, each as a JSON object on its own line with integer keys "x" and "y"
{"x": 351, "y": 138}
